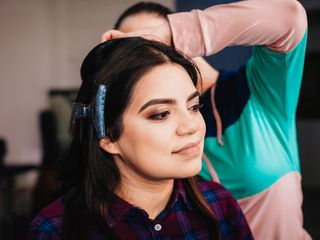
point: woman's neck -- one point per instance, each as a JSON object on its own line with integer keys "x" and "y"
{"x": 151, "y": 196}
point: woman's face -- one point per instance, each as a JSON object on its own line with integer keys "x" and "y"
{"x": 163, "y": 130}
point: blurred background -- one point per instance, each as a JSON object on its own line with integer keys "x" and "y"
{"x": 42, "y": 45}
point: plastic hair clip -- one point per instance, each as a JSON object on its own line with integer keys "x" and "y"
{"x": 99, "y": 112}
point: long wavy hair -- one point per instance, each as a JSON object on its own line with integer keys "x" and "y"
{"x": 88, "y": 174}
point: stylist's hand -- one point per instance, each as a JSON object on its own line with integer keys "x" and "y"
{"x": 161, "y": 33}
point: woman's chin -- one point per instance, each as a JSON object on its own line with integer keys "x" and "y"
{"x": 190, "y": 170}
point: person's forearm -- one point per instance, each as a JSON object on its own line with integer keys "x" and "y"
{"x": 278, "y": 24}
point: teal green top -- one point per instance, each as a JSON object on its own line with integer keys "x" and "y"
{"x": 257, "y": 105}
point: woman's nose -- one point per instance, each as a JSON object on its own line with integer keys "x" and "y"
{"x": 187, "y": 124}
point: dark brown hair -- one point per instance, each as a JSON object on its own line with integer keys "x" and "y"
{"x": 143, "y": 7}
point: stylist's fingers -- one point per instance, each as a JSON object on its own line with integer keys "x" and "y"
{"x": 161, "y": 33}
{"x": 112, "y": 34}
{"x": 146, "y": 33}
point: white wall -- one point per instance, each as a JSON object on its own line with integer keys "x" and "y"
{"x": 42, "y": 45}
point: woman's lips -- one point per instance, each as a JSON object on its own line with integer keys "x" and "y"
{"x": 191, "y": 148}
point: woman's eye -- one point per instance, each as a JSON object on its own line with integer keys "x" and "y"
{"x": 196, "y": 108}
{"x": 159, "y": 116}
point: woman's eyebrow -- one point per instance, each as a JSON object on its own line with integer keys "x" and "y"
{"x": 166, "y": 101}
{"x": 157, "y": 101}
{"x": 193, "y": 95}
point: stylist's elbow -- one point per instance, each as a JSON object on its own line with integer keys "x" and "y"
{"x": 296, "y": 16}
{"x": 293, "y": 20}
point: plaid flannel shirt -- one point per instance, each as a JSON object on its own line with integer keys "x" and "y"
{"x": 179, "y": 220}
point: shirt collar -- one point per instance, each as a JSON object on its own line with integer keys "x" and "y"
{"x": 120, "y": 208}
{"x": 180, "y": 191}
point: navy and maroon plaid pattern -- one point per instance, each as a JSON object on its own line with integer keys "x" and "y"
{"x": 179, "y": 220}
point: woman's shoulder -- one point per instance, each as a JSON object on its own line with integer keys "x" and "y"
{"x": 213, "y": 189}
{"x": 48, "y": 222}
{"x": 218, "y": 197}
{"x": 232, "y": 221}
{"x": 54, "y": 209}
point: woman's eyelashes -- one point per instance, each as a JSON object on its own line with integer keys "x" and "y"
{"x": 196, "y": 107}
{"x": 162, "y": 115}
{"x": 159, "y": 116}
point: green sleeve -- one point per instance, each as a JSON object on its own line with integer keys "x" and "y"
{"x": 274, "y": 78}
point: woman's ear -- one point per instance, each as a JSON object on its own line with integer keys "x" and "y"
{"x": 109, "y": 146}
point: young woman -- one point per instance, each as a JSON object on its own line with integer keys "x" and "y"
{"x": 250, "y": 144}
{"x": 137, "y": 144}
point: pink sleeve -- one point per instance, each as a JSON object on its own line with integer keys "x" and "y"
{"x": 278, "y": 24}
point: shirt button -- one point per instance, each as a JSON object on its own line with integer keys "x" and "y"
{"x": 157, "y": 227}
